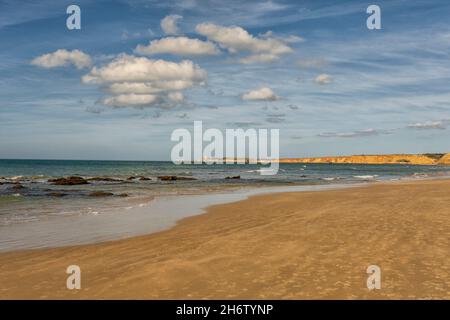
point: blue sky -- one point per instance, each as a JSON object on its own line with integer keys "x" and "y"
{"x": 335, "y": 87}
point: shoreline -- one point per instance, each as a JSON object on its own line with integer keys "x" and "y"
{"x": 296, "y": 245}
{"x": 143, "y": 219}
{"x": 146, "y": 217}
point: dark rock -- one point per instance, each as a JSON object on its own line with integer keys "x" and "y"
{"x": 233, "y": 177}
{"x": 131, "y": 178}
{"x": 173, "y": 178}
{"x": 167, "y": 178}
{"x": 69, "y": 181}
{"x": 123, "y": 195}
{"x": 18, "y": 186}
{"x": 100, "y": 194}
{"x": 144, "y": 179}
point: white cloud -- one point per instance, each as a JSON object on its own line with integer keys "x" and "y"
{"x": 264, "y": 93}
{"x": 131, "y": 100}
{"x": 236, "y": 39}
{"x": 176, "y": 96}
{"x": 324, "y": 79}
{"x": 154, "y": 87}
{"x": 428, "y": 125}
{"x": 288, "y": 39}
{"x": 128, "y": 68}
{"x": 179, "y": 46}
{"x": 141, "y": 82}
{"x": 132, "y": 87}
{"x": 169, "y": 24}
{"x": 293, "y": 39}
{"x": 63, "y": 57}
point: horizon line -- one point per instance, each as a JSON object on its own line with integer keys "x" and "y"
{"x": 280, "y": 158}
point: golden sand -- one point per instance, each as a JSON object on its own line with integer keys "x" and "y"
{"x": 301, "y": 245}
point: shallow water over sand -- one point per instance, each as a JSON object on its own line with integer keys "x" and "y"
{"x": 117, "y": 223}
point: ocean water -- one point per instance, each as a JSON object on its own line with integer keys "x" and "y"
{"x": 25, "y": 182}
{"x": 41, "y": 170}
{"x": 32, "y": 208}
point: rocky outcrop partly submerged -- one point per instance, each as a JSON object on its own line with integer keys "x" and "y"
{"x": 69, "y": 181}
{"x": 174, "y": 178}
{"x": 413, "y": 159}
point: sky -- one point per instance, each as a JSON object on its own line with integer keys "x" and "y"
{"x": 138, "y": 69}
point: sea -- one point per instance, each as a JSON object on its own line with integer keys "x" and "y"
{"x": 126, "y": 198}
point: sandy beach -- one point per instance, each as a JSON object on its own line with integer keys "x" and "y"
{"x": 302, "y": 245}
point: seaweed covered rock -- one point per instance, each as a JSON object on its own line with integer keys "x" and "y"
{"x": 69, "y": 181}
{"x": 233, "y": 177}
{"x": 174, "y": 178}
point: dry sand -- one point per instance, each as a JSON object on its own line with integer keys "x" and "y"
{"x": 299, "y": 245}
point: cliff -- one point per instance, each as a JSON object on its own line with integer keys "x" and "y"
{"x": 417, "y": 159}
{"x": 445, "y": 159}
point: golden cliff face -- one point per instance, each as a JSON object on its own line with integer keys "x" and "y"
{"x": 417, "y": 159}
{"x": 445, "y": 159}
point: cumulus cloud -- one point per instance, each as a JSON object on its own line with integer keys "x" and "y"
{"x": 143, "y": 87}
{"x": 142, "y": 82}
{"x": 131, "y": 100}
{"x": 236, "y": 39}
{"x": 176, "y": 96}
{"x": 179, "y": 46}
{"x": 127, "y": 68}
{"x": 62, "y": 58}
{"x": 169, "y": 24}
{"x": 429, "y": 125}
{"x": 264, "y": 93}
{"x": 324, "y": 79}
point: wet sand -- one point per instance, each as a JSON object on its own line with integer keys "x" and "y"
{"x": 299, "y": 245}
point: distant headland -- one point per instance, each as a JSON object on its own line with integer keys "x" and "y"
{"x": 414, "y": 159}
